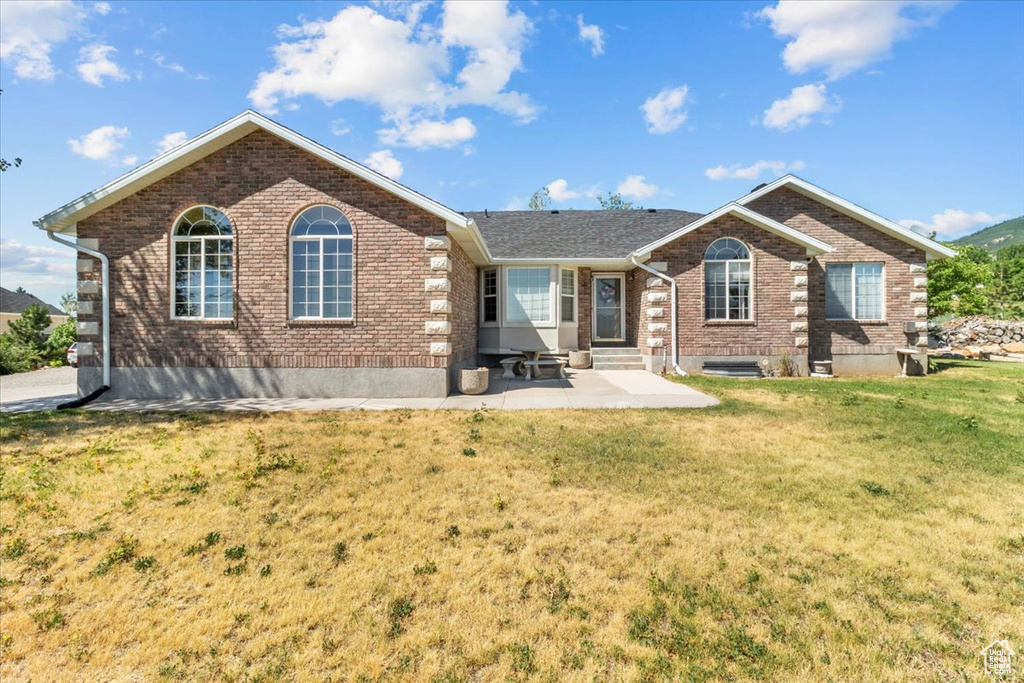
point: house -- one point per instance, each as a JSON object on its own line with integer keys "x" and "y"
{"x": 252, "y": 261}
{"x": 13, "y": 303}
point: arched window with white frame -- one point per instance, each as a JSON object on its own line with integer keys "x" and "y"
{"x": 321, "y": 265}
{"x": 203, "y": 266}
{"x": 727, "y": 291}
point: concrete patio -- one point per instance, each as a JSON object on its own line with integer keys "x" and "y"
{"x": 590, "y": 389}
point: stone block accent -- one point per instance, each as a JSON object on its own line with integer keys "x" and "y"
{"x": 437, "y": 243}
{"x": 440, "y": 306}
{"x": 918, "y": 296}
{"x": 800, "y": 342}
{"x": 800, "y": 281}
{"x": 88, "y": 287}
{"x": 657, "y": 297}
{"x": 438, "y": 327}
{"x": 920, "y": 282}
{"x": 655, "y": 282}
{"x": 921, "y": 312}
{"x": 798, "y": 265}
{"x": 798, "y": 326}
{"x": 85, "y": 348}
{"x": 921, "y": 327}
{"x": 800, "y": 312}
{"x": 660, "y": 266}
{"x": 89, "y": 243}
{"x": 85, "y": 308}
{"x": 918, "y": 267}
{"x": 798, "y": 296}
{"x": 84, "y": 265}
{"x": 88, "y": 329}
{"x": 655, "y": 341}
{"x": 655, "y": 312}
{"x": 437, "y": 284}
{"x": 440, "y": 349}
{"x": 922, "y": 342}
{"x": 440, "y": 263}
{"x": 657, "y": 327}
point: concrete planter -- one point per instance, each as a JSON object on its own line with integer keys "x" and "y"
{"x": 474, "y": 381}
{"x": 579, "y": 360}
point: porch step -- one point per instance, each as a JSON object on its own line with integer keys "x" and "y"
{"x": 617, "y": 358}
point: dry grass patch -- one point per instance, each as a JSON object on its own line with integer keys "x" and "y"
{"x": 811, "y": 530}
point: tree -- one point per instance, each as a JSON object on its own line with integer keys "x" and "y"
{"x": 615, "y": 202}
{"x": 69, "y": 303}
{"x": 540, "y": 200}
{"x": 960, "y": 284}
{"x": 63, "y": 336}
{"x": 21, "y": 290}
{"x": 28, "y": 329}
{"x": 1008, "y": 281}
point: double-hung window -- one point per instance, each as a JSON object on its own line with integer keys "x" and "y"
{"x": 489, "y": 295}
{"x": 568, "y": 296}
{"x": 528, "y": 295}
{"x": 321, "y": 246}
{"x": 727, "y": 290}
{"x": 202, "y": 247}
{"x": 854, "y": 291}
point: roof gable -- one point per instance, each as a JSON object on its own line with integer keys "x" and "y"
{"x": 932, "y": 249}
{"x": 66, "y": 217}
{"x": 16, "y": 302}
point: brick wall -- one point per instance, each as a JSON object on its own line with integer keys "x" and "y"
{"x": 905, "y": 283}
{"x": 262, "y": 183}
{"x": 464, "y": 294}
{"x": 585, "y": 298}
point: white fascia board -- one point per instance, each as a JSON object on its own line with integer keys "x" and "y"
{"x": 812, "y": 245}
{"x": 64, "y": 218}
{"x": 934, "y": 249}
{"x": 605, "y": 263}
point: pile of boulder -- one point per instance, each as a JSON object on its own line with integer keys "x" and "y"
{"x": 980, "y": 337}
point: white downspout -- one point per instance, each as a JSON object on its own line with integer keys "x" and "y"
{"x": 675, "y": 312}
{"x": 105, "y": 274}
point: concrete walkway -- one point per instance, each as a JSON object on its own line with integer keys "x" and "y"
{"x": 583, "y": 389}
{"x": 38, "y": 390}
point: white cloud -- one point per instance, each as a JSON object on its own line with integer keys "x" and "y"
{"x": 841, "y": 37}
{"x": 403, "y": 66}
{"x": 100, "y": 144}
{"x": 754, "y": 171}
{"x": 339, "y": 128}
{"x": 591, "y": 33}
{"x": 101, "y": 8}
{"x": 634, "y": 186}
{"x": 427, "y": 134}
{"x": 16, "y": 257}
{"x": 560, "y": 192}
{"x": 664, "y": 112}
{"x": 953, "y": 223}
{"x": 170, "y": 141}
{"x": 30, "y": 30}
{"x": 130, "y": 160}
{"x": 803, "y": 105}
{"x": 94, "y": 64}
{"x": 384, "y": 162}
{"x": 515, "y": 204}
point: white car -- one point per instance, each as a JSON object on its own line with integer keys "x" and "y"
{"x": 73, "y": 355}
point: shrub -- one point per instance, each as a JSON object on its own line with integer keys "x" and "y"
{"x": 63, "y": 336}
{"x": 16, "y": 357}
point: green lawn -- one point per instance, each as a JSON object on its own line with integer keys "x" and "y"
{"x": 845, "y": 530}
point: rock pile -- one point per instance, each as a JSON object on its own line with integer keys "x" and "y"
{"x": 980, "y": 335}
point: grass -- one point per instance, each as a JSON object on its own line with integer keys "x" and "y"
{"x": 846, "y": 530}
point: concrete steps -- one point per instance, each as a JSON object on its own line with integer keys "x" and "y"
{"x": 624, "y": 358}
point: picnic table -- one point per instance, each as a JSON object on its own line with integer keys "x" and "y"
{"x": 533, "y": 361}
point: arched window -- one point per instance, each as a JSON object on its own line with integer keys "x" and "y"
{"x": 727, "y": 291}
{"x": 321, "y": 243}
{"x": 202, "y": 245}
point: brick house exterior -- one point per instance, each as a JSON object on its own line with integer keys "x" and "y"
{"x": 417, "y": 315}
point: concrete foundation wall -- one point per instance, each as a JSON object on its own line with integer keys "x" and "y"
{"x": 190, "y": 382}
{"x": 694, "y": 365}
{"x": 861, "y": 364}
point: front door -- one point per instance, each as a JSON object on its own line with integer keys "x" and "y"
{"x": 609, "y": 307}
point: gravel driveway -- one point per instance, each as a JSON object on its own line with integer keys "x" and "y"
{"x": 38, "y": 390}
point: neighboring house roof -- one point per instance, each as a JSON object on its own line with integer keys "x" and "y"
{"x": 65, "y": 218}
{"x": 16, "y": 302}
{"x": 931, "y": 248}
{"x": 579, "y": 235}
{"x": 812, "y": 245}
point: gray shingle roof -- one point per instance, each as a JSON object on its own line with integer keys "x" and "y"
{"x": 575, "y": 234}
{"x": 16, "y": 302}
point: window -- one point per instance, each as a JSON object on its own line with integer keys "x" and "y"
{"x": 568, "y": 296}
{"x": 727, "y": 290}
{"x": 321, "y": 244}
{"x": 202, "y": 246}
{"x": 853, "y": 291}
{"x": 489, "y": 295}
{"x": 529, "y": 295}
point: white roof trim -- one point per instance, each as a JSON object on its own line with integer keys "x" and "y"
{"x": 66, "y": 217}
{"x": 812, "y": 245}
{"x": 931, "y": 247}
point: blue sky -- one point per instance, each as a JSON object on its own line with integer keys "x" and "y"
{"x": 912, "y": 109}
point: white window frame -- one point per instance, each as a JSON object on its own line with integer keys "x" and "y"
{"x": 575, "y": 298}
{"x": 292, "y": 239}
{"x": 551, "y": 320}
{"x": 202, "y": 239}
{"x": 750, "y": 271}
{"x": 497, "y": 296}
{"x": 853, "y": 290}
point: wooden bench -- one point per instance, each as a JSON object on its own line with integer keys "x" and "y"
{"x": 534, "y": 366}
{"x": 510, "y": 365}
